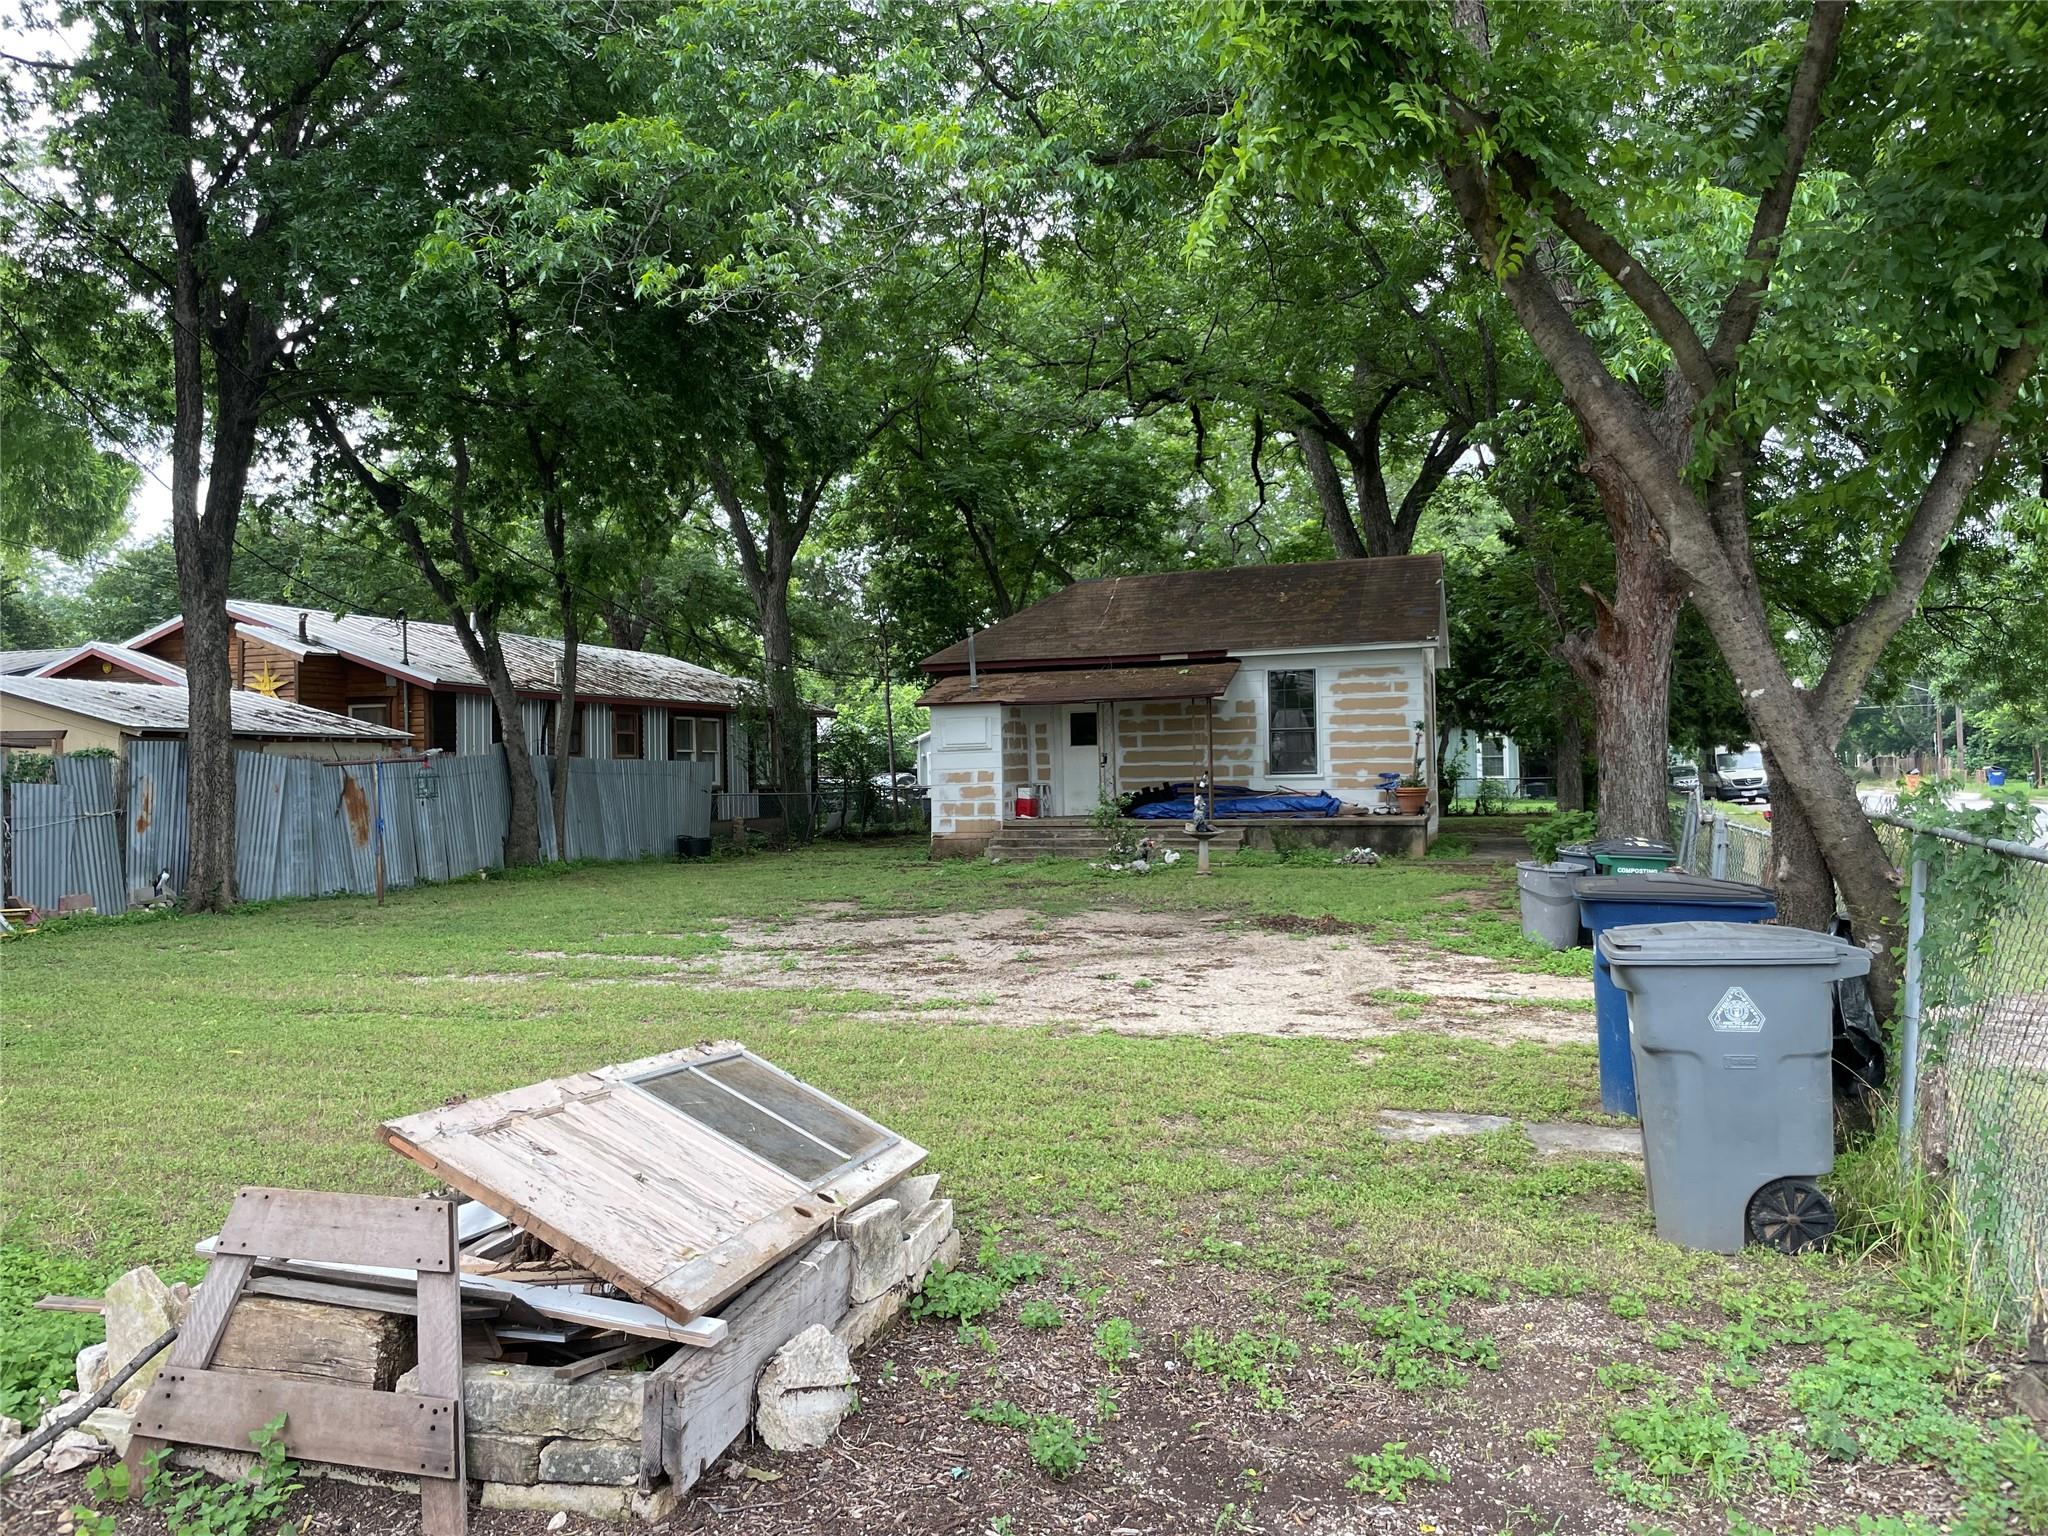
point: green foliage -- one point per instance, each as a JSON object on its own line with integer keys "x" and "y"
{"x": 1418, "y": 1342}
{"x": 1390, "y": 1472}
{"x": 1056, "y": 1446}
{"x": 1042, "y": 1316}
{"x": 1008, "y": 1269}
{"x": 30, "y": 768}
{"x": 195, "y": 1504}
{"x": 955, "y": 1295}
{"x": 1116, "y": 1341}
{"x": 1244, "y": 1359}
{"x": 1557, "y": 829}
{"x": 1674, "y": 1439}
{"x": 37, "y": 1348}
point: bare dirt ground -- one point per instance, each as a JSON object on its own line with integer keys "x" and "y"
{"x": 1159, "y": 973}
{"x": 1178, "y": 1451}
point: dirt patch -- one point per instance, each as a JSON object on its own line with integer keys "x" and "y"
{"x": 1180, "y": 1451}
{"x": 1155, "y": 973}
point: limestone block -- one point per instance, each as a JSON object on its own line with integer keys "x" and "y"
{"x": 503, "y": 1458}
{"x": 875, "y": 1232}
{"x": 564, "y": 1498}
{"x": 139, "y": 1310}
{"x": 805, "y": 1391}
{"x": 611, "y": 1463}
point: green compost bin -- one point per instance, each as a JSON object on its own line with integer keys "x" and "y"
{"x": 1631, "y": 855}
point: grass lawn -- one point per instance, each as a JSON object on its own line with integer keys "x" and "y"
{"x": 152, "y": 1064}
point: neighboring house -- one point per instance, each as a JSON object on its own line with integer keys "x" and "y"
{"x": 1285, "y": 678}
{"x": 58, "y": 715}
{"x": 1502, "y": 759}
{"x": 101, "y": 661}
{"x": 416, "y": 678}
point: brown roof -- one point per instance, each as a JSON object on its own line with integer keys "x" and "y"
{"x": 1211, "y": 612}
{"x": 1086, "y": 685}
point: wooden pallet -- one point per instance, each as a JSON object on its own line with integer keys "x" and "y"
{"x": 193, "y": 1403}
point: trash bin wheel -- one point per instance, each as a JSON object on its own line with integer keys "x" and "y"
{"x": 1790, "y": 1215}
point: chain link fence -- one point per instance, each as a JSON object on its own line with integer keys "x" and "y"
{"x": 1973, "y": 1054}
{"x": 1973, "y": 1098}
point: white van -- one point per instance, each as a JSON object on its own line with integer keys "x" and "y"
{"x": 1739, "y": 774}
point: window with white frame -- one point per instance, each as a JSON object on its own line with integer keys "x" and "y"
{"x": 698, "y": 739}
{"x": 1291, "y": 721}
{"x": 1493, "y": 758}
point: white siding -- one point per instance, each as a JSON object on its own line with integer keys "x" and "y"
{"x": 967, "y": 786}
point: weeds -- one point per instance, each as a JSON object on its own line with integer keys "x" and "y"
{"x": 1390, "y": 1472}
{"x": 1056, "y": 1446}
{"x": 1245, "y": 1359}
{"x": 1116, "y": 1341}
{"x": 1674, "y": 1439}
{"x": 1041, "y": 1315}
{"x": 194, "y": 1504}
{"x": 1418, "y": 1342}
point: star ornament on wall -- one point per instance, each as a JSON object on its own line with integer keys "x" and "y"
{"x": 267, "y": 683}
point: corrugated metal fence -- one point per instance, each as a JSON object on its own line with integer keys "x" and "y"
{"x": 307, "y": 828}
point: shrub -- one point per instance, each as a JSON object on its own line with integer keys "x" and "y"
{"x": 1557, "y": 829}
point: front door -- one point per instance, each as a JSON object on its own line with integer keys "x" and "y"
{"x": 1080, "y": 760}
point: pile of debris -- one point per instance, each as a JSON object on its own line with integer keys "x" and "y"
{"x": 650, "y": 1258}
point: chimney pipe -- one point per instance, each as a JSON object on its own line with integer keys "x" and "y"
{"x": 303, "y": 637}
{"x": 973, "y": 677}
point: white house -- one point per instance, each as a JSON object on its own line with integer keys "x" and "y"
{"x": 1310, "y": 681}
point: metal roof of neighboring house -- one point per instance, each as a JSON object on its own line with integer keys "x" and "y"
{"x": 149, "y": 666}
{"x": 431, "y": 654}
{"x": 161, "y": 707}
{"x": 1086, "y": 685}
{"x": 21, "y": 663}
{"x": 1229, "y": 609}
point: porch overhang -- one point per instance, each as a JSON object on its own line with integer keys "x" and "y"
{"x": 1085, "y": 685}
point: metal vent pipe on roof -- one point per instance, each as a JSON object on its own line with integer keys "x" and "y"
{"x": 304, "y": 638}
{"x": 973, "y": 677}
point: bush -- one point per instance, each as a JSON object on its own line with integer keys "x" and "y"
{"x": 1559, "y": 828}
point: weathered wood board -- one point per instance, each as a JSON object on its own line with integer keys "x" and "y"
{"x": 306, "y": 1341}
{"x": 672, "y": 1212}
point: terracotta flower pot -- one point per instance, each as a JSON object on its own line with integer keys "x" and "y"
{"x": 1410, "y": 801}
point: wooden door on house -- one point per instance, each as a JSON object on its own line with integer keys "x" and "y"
{"x": 1078, "y": 767}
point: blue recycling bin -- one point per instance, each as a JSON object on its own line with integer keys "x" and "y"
{"x": 1995, "y": 777}
{"x": 1649, "y": 896}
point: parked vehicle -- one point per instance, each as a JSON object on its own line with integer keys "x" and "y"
{"x": 1739, "y": 774}
{"x": 1683, "y": 777}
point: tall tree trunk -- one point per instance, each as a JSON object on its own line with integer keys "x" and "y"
{"x": 1571, "y": 762}
{"x": 565, "y": 726}
{"x": 1625, "y": 662}
{"x": 788, "y": 723}
{"x": 1798, "y": 873}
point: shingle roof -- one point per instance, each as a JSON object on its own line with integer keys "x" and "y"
{"x": 1225, "y": 610}
{"x": 1086, "y": 685}
{"x": 161, "y": 707}
{"x": 120, "y": 656}
{"x": 431, "y": 654}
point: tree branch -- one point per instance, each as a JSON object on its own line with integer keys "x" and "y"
{"x": 1743, "y": 307}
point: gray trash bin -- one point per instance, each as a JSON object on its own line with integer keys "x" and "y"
{"x": 1731, "y": 1026}
{"x": 1550, "y": 912}
{"x": 1579, "y": 856}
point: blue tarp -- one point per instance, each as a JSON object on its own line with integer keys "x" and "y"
{"x": 1232, "y": 800}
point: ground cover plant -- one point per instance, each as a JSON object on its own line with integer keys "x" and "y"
{"x": 1203, "y": 1294}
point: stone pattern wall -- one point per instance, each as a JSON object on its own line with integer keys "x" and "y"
{"x": 1370, "y": 719}
{"x": 1016, "y": 748}
{"x": 1237, "y": 741}
{"x": 965, "y": 814}
{"x": 1159, "y": 741}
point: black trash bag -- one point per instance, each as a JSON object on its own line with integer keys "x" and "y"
{"x": 1859, "y": 1057}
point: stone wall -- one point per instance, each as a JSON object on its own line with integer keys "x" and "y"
{"x": 1370, "y": 718}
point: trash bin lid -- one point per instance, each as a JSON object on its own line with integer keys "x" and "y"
{"x": 1613, "y": 846}
{"x": 1652, "y": 944}
{"x": 1561, "y": 867}
{"x": 1668, "y": 885}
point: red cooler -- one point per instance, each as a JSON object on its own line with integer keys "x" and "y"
{"x": 1027, "y": 801}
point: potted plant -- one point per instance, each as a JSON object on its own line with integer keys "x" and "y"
{"x": 1411, "y": 795}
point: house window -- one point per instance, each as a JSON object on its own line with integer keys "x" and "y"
{"x": 375, "y": 712}
{"x": 1493, "y": 758}
{"x": 625, "y": 731}
{"x": 1081, "y": 729}
{"x": 1291, "y": 722}
{"x": 698, "y": 738}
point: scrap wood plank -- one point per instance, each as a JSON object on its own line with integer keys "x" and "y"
{"x": 360, "y": 1298}
{"x": 72, "y": 1304}
{"x": 589, "y": 1365}
{"x": 354, "y": 1426}
{"x": 360, "y": 1229}
{"x": 708, "y": 1398}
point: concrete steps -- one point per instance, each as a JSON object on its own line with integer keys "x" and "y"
{"x": 1021, "y": 841}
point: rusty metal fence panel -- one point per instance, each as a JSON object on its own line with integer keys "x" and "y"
{"x": 154, "y": 817}
{"x": 307, "y": 828}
